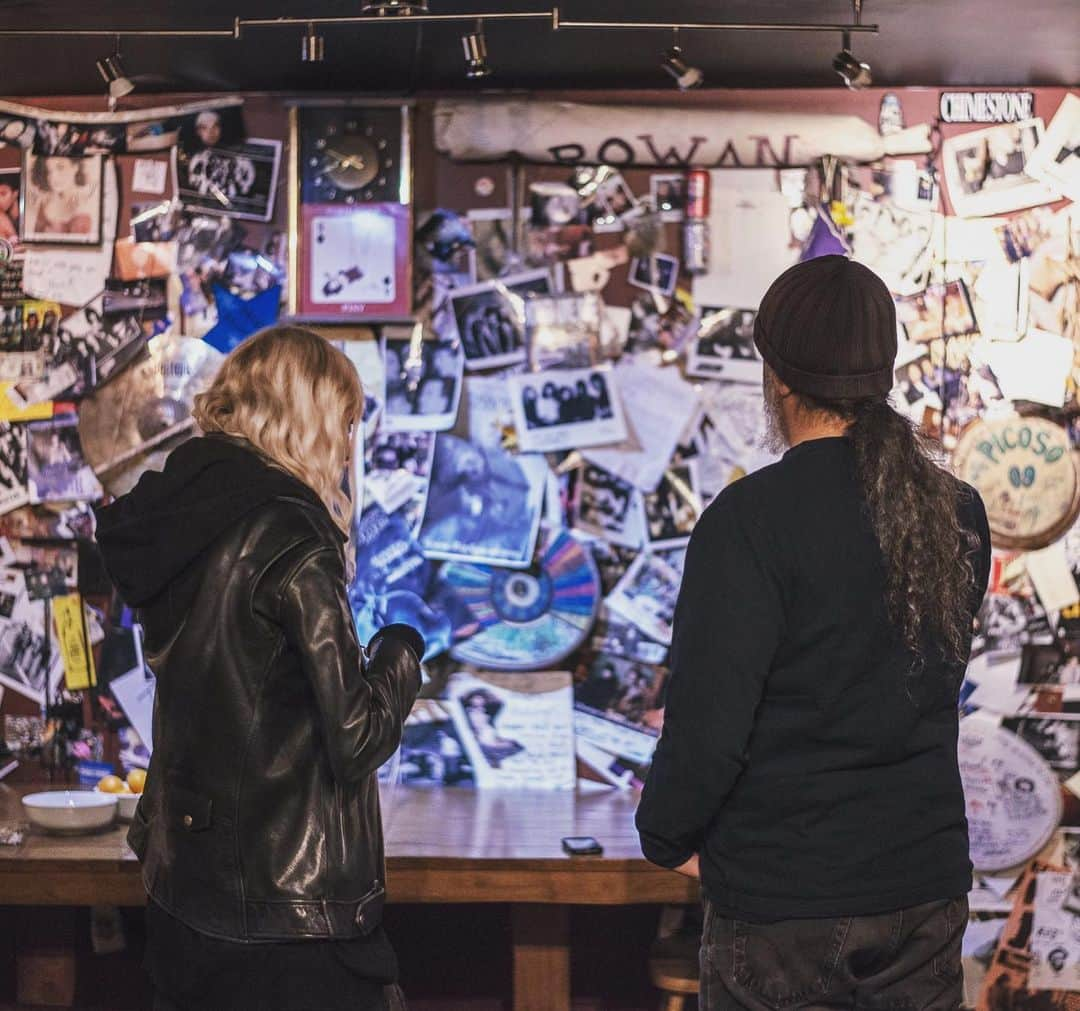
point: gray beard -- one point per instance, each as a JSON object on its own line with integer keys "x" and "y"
{"x": 775, "y": 439}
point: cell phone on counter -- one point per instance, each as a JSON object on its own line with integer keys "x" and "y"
{"x": 581, "y": 846}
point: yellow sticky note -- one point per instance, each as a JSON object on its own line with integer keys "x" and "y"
{"x": 10, "y": 412}
{"x": 70, "y": 621}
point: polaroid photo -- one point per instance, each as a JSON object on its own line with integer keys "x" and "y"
{"x": 483, "y": 505}
{"x": 62, "y": 200}
{"x": 942, "y": 310}
{"x": 516, "y": 739}
{"x": 673, "y": 508}
{"x": 915, "y": 377}
{"x": 492, "y": 253}
{"x": 986, "y": 170}
{"x": 423, "y": 382}
{"x": 239, "y": 181}
{"x": 398, "y": 468}
{"x": 723, "y": 347}
{"x": 490, "y": 318}
{"x": 1056, "y": 740}
{"x": 1056, "y": 161}
{"x": 14, "y": 473}
{"x": 646, "y": 596}
{"x": 668, "y": 194}
{"x": 614, "y": 202}
{"x": 27, "y": 665}
{"x": 567, "y": 409}
{"x": 153, "y": 222}
{"x": 58, "y": 471}
{"x": 431, "y": 750}
{"x": 563, "y": 331}
{"x": 658, "y": 273}
{"x": 606, "y": 506}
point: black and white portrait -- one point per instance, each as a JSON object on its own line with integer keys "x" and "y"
{"x": 58, "y": 471}
{"x": 566, "y": 409}
{"x": 658, "y": 273}
{"x": 239, "y": 181}
{"x": 1058, "y": 741}
{"x": 986, "y": 169}
{"x": 221, "y": 127}
{"x": 490, "y": 318}
{"x": 723, "y": 347}
{"x": 604, "y": 505}
{"x": 14, "y": 491}
{"x": 62, "y": 200}
{"x": 398, "y": 466}
{"x": 423, "y": 383}
{"x": 673, "y": 507}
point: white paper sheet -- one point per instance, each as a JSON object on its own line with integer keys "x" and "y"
{"x": 134, "y": 693}
{"x": 1056, "y": 161}
{"x": 1055, "y": 937}
{"x": 1052, "y": 577}
{"x": 1035, "y": 368}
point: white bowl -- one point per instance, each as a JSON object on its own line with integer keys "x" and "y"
{"x": 70, "y": 810}
{"x": 126, "y": 804}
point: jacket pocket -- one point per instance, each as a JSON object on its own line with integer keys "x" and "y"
{"x": 201, "y": 842}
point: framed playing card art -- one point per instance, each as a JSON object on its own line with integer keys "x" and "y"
{"x": 350, "y": 213}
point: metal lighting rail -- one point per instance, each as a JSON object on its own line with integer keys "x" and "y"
{"x": 398, "y": 19}
{"x": 167, "y": 33}
{"x": 722, "y": 26}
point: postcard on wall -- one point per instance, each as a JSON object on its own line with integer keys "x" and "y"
{"x": 490, "y": 317}
{"x": 986, "y": 170}
{"x": 520, "y": 736}
{"x": 604, "y": 505}
{"x": 939, "y": 311}
{"x": 239, "y": 180}
{"x": 62, "y": 199}
{"x": 28, "y": 664}
{"x": 673, "y": 507}
{"x": 423, "y": 381}
{"x": 723, "y": 346}
{"x": 566, "y": 409}
{"x": 646, "y": 595}
{"x": 1056, "y": 161}
{"x": 58, "y": 470}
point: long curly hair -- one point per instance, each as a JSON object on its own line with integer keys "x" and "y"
{"x": 298, "y": 401}
{"x": 912, "y": 503}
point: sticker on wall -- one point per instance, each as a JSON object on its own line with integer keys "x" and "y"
{"x": 1026, "y": 473}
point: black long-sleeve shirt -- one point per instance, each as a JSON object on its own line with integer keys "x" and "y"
{"x": 811, "y": 770}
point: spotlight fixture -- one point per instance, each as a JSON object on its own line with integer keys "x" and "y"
{"x": 115, "y": 76}
{"x": 856, "y": 75}
{"x": 684, "y": 75}
{"x": 475, "y": 47}
{"x": 394, "y": 8}
{"x": 312, "y": 46}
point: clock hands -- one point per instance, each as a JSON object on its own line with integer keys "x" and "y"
{"x": 347, "y": 161}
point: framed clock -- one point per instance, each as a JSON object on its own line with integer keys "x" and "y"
{"x": 350, "y": 213}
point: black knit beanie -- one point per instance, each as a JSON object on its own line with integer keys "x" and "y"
{"x": 827, "y": 328}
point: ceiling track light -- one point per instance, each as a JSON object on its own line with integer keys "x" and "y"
{"x": 394, "y": 8}
{"x": 681, "y": 72}
{"x": 312, "y": 46}
{"x": 115, "y": 76}
{"x": 854, "y": 73}
{"x": 474, "y": 45}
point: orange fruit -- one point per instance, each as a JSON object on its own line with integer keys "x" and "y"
{"x": 136, "y": 780}
{"x": 112, "y": 784}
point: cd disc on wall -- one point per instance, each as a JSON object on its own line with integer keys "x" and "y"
{"x": 528, "y": 619}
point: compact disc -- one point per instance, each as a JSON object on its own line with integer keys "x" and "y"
{"x": 134, "y": 422}
{"x": 528, "y": 619}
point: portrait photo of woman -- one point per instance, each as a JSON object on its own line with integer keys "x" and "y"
{"x": 62, "y": 200}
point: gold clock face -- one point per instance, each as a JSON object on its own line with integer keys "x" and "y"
{"x": 349, "y": 163}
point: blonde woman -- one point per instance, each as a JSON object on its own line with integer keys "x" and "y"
{"x": 259, "y": 831}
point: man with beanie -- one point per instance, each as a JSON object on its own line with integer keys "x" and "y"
{"x": 807, "y": 771}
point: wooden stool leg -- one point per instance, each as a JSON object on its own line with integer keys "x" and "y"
{"x": 45, "y": 957}
{"x": 673, "y": 1002}
{"x": 541, "y": 957}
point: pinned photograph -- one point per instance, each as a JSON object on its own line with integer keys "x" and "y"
{"x": 672, "y": 510}
{"x": 723, "y": 347}
{"x": 619, "y": 706}
{"x": 222, "y": 127}
{"x": 62, "y": 200}
{"x": 566, "y": 409}
{"x": 398, "y": 467}
{"x": 431, "y": 750}
{"x": 658, "y": 273}
{"x": 146, "y": 297}
{"x": 563, "y": 331}
{"x": 614, "y": 202}
{"x": 154, "y": 222}
{"x": 10, "y": 184}
{"x": 668, "y": 193}
{"x": 606, "y": 506}
{"x": 614, "y": 634}
{"x": 483, "y": 504}
{"x": 58, "y": 471}
{"x": 14, "y": 475}
{"x": 26, "y": 664}
{"x": 915, "y": 377}
{"x": 1057, "y": 741}
{"x": 986, "y": 170}
{"x": 239, "y": 181}
{"x": 138, "y": 260}
{"x": 646, "y": 596}
{"x": 423, "y": 382}
{"x": 490, "y": 318}
{"x": 938, "y": 312}
{"x": 1056, "y": 161}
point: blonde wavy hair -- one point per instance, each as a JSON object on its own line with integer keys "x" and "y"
{"x": 298, "y": 401}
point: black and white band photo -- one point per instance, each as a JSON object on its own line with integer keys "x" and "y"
{"x": 423, "y": 383}
{"x": 672, "y": 509}
{"x": 490, "y": 317}
{"x": 13, "y": 467}
{"x": 658, "y": 273}
{"x": 566, "y": 408}
{"x": 238, "y": 181}
{"x": 604, "y": 505}
{"x": 723, "y": 347}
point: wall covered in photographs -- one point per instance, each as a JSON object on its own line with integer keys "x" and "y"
{"x": 574, "y": 385}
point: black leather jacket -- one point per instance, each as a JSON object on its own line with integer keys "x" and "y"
{"x": 260, "y": 819}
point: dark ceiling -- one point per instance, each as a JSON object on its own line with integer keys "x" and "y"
{"x": 934, "y": 42}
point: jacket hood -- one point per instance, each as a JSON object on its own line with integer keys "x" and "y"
{"x": 159, "y": 529}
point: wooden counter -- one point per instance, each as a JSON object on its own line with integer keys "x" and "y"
{"x": 445, "y": 845}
